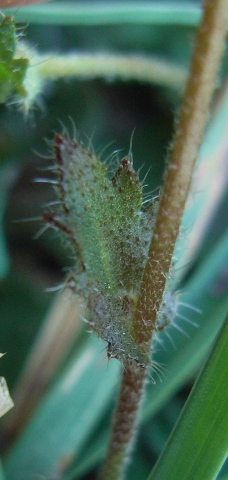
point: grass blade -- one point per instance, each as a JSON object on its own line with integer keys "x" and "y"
{"x": 199, "y": 443}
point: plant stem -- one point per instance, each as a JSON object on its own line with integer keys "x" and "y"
{"x": 124, "y": 67}
{"x": 189, "y": 131}
{"x": 190, "y": 126}
{"x": 125, "y": 422}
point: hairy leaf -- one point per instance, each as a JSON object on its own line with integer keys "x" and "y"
{"x": 109, "y": 231}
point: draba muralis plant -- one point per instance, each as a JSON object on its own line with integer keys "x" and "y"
{"x": 124, "y": 249}
{"x": 123, "y": 273}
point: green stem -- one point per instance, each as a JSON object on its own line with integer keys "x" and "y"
{"x": 124, "y": 67}
{"x": 68, "y": 13}
{"x": 189, "y": 131}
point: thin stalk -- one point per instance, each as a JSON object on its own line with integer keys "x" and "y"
{"x": 102, "y": 13}
{"x": 125, "y": 422}
{"x": 190, "y": 126}
{"x": 124, "y": 67}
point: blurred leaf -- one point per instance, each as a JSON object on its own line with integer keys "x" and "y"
{"x": 2, "y": 476}
{"x": 7, "y": 176}
{"x": 22, "y": 306}
{"x": 6, "y": 402}
{"x": 12, "y": 70}
{"x": 65, "y": 418}
{"x": 90, "y": 13}
{"x": 223, "y": 474}
{"x": 56, "y": 337}
{"x": 208, "y": 186}
{"x": 198, "y": 445}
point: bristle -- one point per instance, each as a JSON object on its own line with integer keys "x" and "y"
{"x": 191, "y": 307}
{"x": 56, "y": 288}
{"x": 181, "y": 330}
{"x": 182, "y": 317}
{"x": 41, "y": 231}
{"x": 145, "y": 177}
{"x": 46, "y": 180}
{"x": 29, "y": 219}
{"x": 167, "y": 334}
{"x": 54, "y": 203}
{"x": 130, "y": 151}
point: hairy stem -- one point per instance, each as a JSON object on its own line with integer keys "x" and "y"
{"x": 125, "y": 422}
{"x": 124, "y": 67}
{"x": 189, "y": 131}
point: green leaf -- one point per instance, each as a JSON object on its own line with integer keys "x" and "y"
{"x": 6, "y": 84}
{"x": 12, "y": 69}
{"x": 198, "y": 444}
{"x": 7, "y": 39}
{"x": 109, "y": 232}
